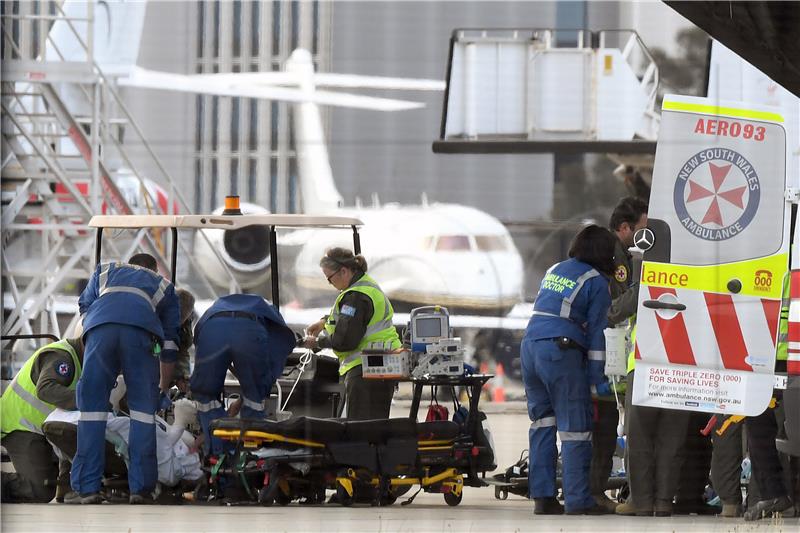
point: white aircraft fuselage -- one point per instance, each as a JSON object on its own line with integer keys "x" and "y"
{"x": 443, "y": 254}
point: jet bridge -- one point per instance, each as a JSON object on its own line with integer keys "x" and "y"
{"x": 519, "y": 91}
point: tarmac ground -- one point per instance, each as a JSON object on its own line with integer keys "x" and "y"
{"x": 479, "y": 510}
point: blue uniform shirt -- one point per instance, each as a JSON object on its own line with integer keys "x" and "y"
{"x": 281, "y": 339}
{"x": 572, "y": 302}
{"x": 119, "y": 293}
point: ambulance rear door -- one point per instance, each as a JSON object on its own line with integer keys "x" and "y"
{"x": 710, "y": 293}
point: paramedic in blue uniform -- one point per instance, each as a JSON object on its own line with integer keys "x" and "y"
{"x": 247, "y": 331}
{"x": 131, "y": 319}
{"x": 563, "y": 360}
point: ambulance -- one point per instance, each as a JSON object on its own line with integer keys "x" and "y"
{"x": 720, "y": 249}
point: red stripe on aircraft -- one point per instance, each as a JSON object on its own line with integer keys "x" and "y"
{"x": 673, "y": 333}
{"x": 730, "y": 339}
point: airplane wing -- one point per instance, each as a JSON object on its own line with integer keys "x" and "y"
{"x": 348, "y": 81}
{"x": 354, "y": 81}
{"x": 300, "y": 318}
{"x": 229, "y": 85}
{"x": 303, "y": 317}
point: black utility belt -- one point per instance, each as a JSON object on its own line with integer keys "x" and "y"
{"x": 565, "y": 343}
{"x": 236, "y": 314}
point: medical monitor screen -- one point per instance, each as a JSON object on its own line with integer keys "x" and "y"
{"x": 429, "y": 327}
{"x": 374, "y": 360}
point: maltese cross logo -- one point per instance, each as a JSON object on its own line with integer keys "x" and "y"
{"x": 733, "y": 196}
{"x": 716, "y": 194}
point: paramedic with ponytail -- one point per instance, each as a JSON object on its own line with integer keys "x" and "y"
{"x": 361, "y": 318}
{"x": 563, "y": 360}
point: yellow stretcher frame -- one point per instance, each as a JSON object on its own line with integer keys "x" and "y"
{"x": 256, "y": 438}
{"x": 253, "y": 438}
{"x": 449, "y": 477}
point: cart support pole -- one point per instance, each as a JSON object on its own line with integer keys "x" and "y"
{"x": 273, "y": 263}
{"x": 174, "y": 254}
{"x": 98, "y": 244}
{"x": 356, "y": 241}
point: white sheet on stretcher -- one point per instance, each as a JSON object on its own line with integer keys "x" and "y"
{"x": 302, "y": 467}
{"x": 175, "y": 462}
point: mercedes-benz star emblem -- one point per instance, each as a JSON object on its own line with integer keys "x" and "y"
{"x": 644, "y": 239}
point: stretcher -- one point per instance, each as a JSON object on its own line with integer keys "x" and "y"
{"x": 373, "y": 461}
{"x": 370, "y": 461}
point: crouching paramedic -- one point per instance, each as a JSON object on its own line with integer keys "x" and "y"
{"x": 563, "y": 359}
{"x": 131, "y": 318}
{"x": 247, "y": 331}
{"x": 46, "y": 381}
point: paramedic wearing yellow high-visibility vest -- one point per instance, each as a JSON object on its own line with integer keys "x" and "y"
{"x": 47, "y": 380}
{"x": 762, "y": 430}
{"x": 655, "y": 438}
{"x": 629, "y": 216}
{"x": 361, "y": 318}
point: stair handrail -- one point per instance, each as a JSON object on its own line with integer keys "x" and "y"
{"x": 175, "y": 191}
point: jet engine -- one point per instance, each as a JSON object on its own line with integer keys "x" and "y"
{"x": 245, "y": 251}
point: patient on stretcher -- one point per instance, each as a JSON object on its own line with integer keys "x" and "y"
{"x": 177, "y": 457}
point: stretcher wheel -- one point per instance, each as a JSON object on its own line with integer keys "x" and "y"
{"x": 399, "y": 490}
{"x": 388, "y": 499}
{"x": 500, "y": 493}
{"x": 342, "y": 496}
{"x": 282, "y": 499}
{"x": 452, "y": 499}
{"x": 271, "y": 492}
{"x": 201, "y": 492}
{"x": 265, "y": 497}
{"x": 317, "y": 497}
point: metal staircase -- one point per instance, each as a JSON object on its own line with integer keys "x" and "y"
{"x": 62, "y": 131}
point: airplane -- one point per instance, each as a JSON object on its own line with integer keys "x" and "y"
{"x": 423, "y": 254}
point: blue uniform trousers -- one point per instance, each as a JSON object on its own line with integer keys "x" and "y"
{"x": 557, "y": 389}
{"x": 109, "y": 348}
{"x": 221, "y": 341}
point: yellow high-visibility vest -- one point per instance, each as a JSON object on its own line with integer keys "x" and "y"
{"x": 20, "y": 408}
{"x": 380, "y": 333}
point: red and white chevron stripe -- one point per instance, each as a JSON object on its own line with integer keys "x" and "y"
{"x": 793, "y": 361}
{"x": 743, "y": 328}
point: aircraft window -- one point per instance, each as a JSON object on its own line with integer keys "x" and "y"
{"x": 491, "y": 243}
{"x": 452, "y": 243}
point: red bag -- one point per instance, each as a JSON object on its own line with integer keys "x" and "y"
{"x": 436, "y": 412}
